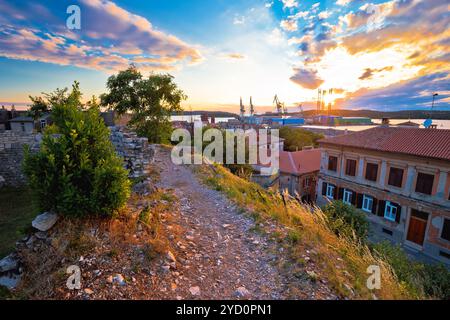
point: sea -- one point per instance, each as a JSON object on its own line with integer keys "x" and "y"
{"x": 441, "y": 124}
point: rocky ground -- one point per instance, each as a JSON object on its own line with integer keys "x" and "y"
{"x": 197, "y": 245}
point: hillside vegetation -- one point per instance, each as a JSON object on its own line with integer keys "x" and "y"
{"x": 343, "y": 261}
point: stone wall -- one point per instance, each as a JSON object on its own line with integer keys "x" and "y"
{"x": 136, "y": 151}
{"x": 11, "y": 155}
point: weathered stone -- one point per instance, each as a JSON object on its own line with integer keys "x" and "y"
{"x": 8, "y": 263}
{"x": 10, "y": 282}
{"x": 45, "y": 221}
{"x": 241, "y": 292}
{"x": 88, "y": 291}
{"x": 119, "y": 279}
{"x": 171, "y": 257}
{"x": 195, "y": 291}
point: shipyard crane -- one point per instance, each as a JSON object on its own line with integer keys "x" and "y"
{"x": 252, "y": 108}
{"x": 242, "y": 109}
{"x": 300, "y": 106}
{"x": 280, "y": 106}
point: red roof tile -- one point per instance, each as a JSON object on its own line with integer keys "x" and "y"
{"x": 430, "y": 143}
{"x": 300, "y": 162}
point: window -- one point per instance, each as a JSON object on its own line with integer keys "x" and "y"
{"x": 350, "y": 168}
{"x": 306, "y": 182}
{"x": 424, "y": 183}
{"x": 330, "y": 191}
{"x": 445, "y": 234}
{"x": 43, "y": 124}
{"x": 367, "y": 204}
{"x": 388, "y": 232}
{"x": 371, "y": 171}
{"x": 395, "y": 177}
{"x": 22, "y": 126}
{"x": 332, "y": 163}
{"x": 347, "y": 196}
{"x": 444, "y": 254}
{"x": 390, "y": 212}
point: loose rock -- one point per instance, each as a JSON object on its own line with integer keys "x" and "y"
{"x": 45, "y": 221}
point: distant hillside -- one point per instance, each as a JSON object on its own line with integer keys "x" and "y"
{"x": 217, "y": 114}
{"x": 407, "y": 114}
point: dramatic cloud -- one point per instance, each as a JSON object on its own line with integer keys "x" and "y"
{"x": 324, "y": 14}
{"x": 289, "y": 3}
{"x": 377, "y": 46}
{"x": 234, "y": 56}
{"x": 343, "y": 2}
{"x": 306, "y": 78}
{"x": 110, "y": 38}
{"x": 368, "y": 73}
{"x": 289, "y": 25}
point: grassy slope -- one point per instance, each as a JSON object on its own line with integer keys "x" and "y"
{"x": 17, "y": 209}
{"x": 341, "y": 261}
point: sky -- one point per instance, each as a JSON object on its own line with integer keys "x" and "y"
{"x": 382, "y": 55}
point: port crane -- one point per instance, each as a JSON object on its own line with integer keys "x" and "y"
{"x": 281, "y": 108}
{"x": 242, "y": 109}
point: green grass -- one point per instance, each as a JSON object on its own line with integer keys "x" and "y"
{"x": 18, "y": 207}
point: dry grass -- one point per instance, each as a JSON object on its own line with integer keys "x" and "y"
{"x": 111, "y": 239}
{"x": 343, "y": 262}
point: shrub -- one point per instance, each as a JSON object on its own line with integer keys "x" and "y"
{"x": 432, "y": 280}
{"x": 437, "y": 281}
{"x": 76, "y": 172}
{"x": 347, "y": 221}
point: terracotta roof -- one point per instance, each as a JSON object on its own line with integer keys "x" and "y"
{"x": 430, "y": 143}
{"x": 300, "y": 162}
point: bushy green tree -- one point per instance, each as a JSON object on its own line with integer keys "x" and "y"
{"x": 77, "y": 172}
{"x": 296, "y": 138}
{"x": 150, "y": 101}
{"x": 345, "y": 220}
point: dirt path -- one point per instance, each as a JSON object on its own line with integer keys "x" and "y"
{"x": 226, "y": 259}
{"x": 203, "y": 248}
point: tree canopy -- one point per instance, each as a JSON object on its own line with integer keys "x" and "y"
{"x": 150, "y": 101}
{"x": 296, "y": 138}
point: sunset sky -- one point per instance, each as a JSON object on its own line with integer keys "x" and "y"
{"x": 385, "y": 55}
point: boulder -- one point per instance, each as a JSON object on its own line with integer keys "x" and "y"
{"x": 10, "y": 282}
{"x": 45, "y": 221}
{"x": 8, "y": 263}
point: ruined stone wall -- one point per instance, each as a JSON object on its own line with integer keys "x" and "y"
{"x": 136, "y": 151}
{"x": 11, "y": 155}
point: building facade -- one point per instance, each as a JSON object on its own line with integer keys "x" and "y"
{"x": 400, "y": 178}
{"x": 299, "y": 173}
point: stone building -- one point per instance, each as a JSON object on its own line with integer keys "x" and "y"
{"x": 400, "y": 177}
{"x": 22, "y": 124}
{"x": 299, "y": 172}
